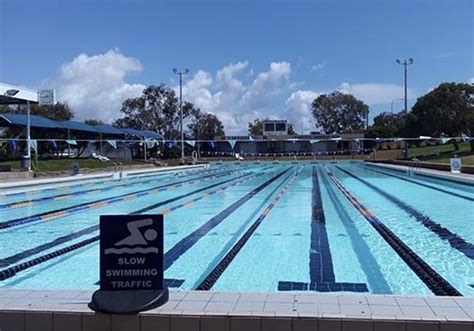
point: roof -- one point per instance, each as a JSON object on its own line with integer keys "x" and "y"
{"x": 15, "y": 95}
{"x": 78, "y": 126}
{"x": 35, "y": 121}
{"x": 43, "y": 122}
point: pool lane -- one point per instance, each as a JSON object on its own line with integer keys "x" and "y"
{"x": 45, "y": 230}
{"x": 420, "y": 183}
{"x": 77, "y": 245}
{"x": 371, "y": 266}
{"x": 175, "y": 252}
{"x": 455, "y": 240}
{"x": 74, "y": 208}
{"x": 213, "y": 276}
{"x": 65, "y": 201}
{"x": 434, "y": 281}
{"x": 103, "y": 186}
{"x": 450, "y": 212}
{"x": 321, "y": 269}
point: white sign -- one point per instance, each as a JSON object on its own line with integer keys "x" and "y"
{"x": 47, "y": 97}
{"x": 455, "y": 165}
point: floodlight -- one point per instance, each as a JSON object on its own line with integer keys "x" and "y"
{"x": 175, "y": 70}
{"x": 410, "y": 60}
{"x": 398, "y": 61}
{"x": 186, "y": 71}
{"x": 11, "y": 92}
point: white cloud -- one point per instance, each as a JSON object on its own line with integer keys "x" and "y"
{"x": 233, "y": 99}
{"x": 471, "y": 80}
{"x": 94, "y": 86}
{"x": 298, "y": 110}
{"x": 318, "y": 66}
{"x": 374, "y": 94}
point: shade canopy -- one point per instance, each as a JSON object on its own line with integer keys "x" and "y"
{"x": 46, "y": 123}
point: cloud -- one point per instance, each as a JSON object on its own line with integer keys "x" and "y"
{"x": 298, "y": 110}
{"x": 373, "y": 93}
{"x": 318, "y": 66}
{"x": 95, "y": 87}
{"x": 234, "y": 97}
{"x": 471, "y": 80}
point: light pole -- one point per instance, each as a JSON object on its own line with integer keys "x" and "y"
{"x": 181, "y": 72}
{"x": 406, "y": 63}
{"x": 391, "y": 104}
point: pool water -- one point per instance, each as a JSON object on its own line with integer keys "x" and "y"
{"x": 325, "y": 227}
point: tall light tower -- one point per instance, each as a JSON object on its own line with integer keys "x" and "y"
{"x": 181, "y": 72}
{"x": 406, "y": 63}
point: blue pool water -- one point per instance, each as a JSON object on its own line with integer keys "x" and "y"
{"x": 345, "y": 227}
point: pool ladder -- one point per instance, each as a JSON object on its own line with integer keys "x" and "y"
{"x": 118, "y": 171}
{"x": 413, "y": 164}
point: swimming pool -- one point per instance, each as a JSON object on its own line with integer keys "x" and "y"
{"x": 325, "y": 227}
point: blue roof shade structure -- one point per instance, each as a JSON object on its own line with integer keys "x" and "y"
{"x": 107, "y": 129}
{"x": 152, "y": 134}
{"x": 78, "y": 126}
{"x": 35, "y": 121}
{"x": 42, "y": 122}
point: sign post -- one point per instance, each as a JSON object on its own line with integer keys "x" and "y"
{"x": 131, "y": 264}
{"x": 455, "y": 165}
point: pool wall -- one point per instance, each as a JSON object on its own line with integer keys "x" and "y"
{"x": 23, "y": 310}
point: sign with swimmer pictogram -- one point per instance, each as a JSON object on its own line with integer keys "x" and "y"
{"x": 131, "y": 264}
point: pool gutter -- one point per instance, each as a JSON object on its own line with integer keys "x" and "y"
{"x": 49, "y": 310}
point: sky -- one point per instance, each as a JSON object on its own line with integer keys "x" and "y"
{"x": 247, "y": 59}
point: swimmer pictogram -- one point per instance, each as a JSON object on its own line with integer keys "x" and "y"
{"x": 136, "y": 241}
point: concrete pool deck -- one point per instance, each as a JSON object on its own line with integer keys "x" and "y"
{"x": 457, "y": 177}
{"x": 15, "y": 184}
{"x": 49, "y": 310}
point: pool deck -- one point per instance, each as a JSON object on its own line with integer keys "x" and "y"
{"x": 460, "y": 177}
{"x": 233, "y": 311}
{"x": 21, "y": 184}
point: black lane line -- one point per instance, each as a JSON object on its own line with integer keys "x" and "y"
{"x": 369, "y": 265}
{"x": 421, "y": 184}
{"x": 186, "y": 243}
{"x": 58, "y": 241}
{"x": 38, "y": 249}
{"x": 17, "y": 204}
{"x": 456, "y": 241}
{"x": 85, "y": 205}
{"x": 434, "y": 281}
{"x": 321, "y": 268}
{"x": 212, "y": 277}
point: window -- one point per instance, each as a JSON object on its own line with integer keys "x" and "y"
{"x": 280, "y": 127}
{"x": 269, "y": 127}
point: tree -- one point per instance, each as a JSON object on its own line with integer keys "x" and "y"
{"x": 157, "y": 109}
{"x": 256, "y": 127}
{"x": 446, "y": 110}
{"x": 205, "y": 126}
{"x": 58, "y": 112}
{"x": 387, "y": 125}
{"x": 91, "y": 121}
{"x": 339, "y": 113}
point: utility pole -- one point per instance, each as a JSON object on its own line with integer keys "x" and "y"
{"x": 406, "y": 63}
{"x": 181, "y": 72}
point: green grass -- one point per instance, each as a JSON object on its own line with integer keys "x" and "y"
{"x": 446, "y": 151}
{"x": 65, "y": 164}
{"x": 446, "y": 148}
